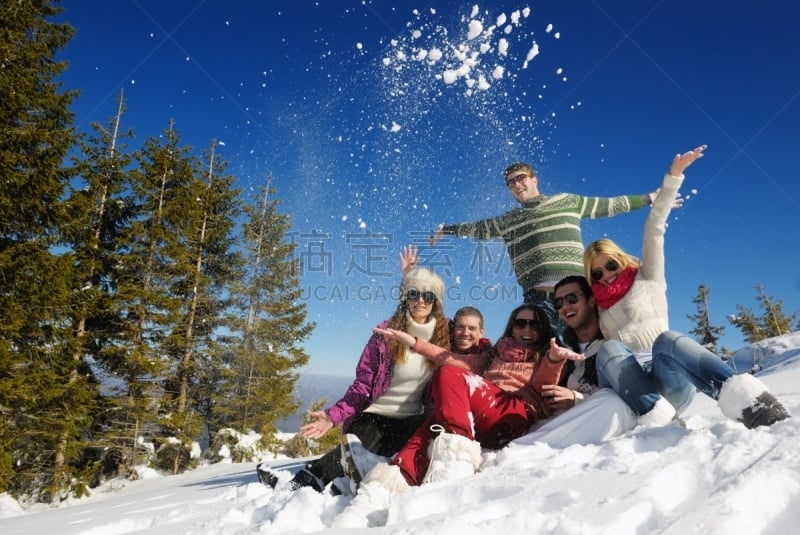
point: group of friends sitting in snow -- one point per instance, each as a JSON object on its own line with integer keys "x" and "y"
{"x": 587, "y": 357}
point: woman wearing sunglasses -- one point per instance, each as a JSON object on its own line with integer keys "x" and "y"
{"x": 385, "y": 403}
{"x": 480, "y": 400}
{"x": 655, "y": 370}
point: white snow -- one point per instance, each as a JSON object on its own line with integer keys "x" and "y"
{"x": 711, "y": 477}
{"x": 470, "y": 59}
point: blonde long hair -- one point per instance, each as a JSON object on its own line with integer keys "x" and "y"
{"x": 401, "y": 321}
{"x": 609, "y": 248}
{"x": 420, "y": 279}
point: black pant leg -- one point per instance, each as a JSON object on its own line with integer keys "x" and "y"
{"x": 384, "y": 435}
{"x": 379, "y": 434}
{"x": 328, "y": 467}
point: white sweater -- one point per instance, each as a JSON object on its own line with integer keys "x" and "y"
{"x": 642, "y": 314}
{"x": 403, "y": 398}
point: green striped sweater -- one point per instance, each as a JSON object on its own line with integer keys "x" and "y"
{"x": 543, "y": 236}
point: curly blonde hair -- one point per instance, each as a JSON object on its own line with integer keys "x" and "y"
{"x": 402, "y": 319}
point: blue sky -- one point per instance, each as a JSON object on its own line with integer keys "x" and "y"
{"x": 370, "y": 146}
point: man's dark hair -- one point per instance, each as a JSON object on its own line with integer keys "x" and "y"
{"x": 580, "y": 280}
{"x": 519, "y": 166}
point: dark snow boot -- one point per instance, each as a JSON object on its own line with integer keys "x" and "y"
{"x": 765, "y": 411}
{"x": 303, "y": 478}
{"x": 266, "y": 477}
{"x": 746, "y": 399}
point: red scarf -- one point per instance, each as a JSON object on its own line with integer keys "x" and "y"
{"x": 509, "y": 350}
{"x": 608, "y": 295}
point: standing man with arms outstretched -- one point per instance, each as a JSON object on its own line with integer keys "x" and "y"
{"x": 543, "y": 236}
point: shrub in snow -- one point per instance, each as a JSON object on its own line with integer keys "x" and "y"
{"x": 173, "y": 456}
{"x": 230, "y": 444}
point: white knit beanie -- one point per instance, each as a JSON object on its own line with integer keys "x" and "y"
{"x": 423, "y": 280}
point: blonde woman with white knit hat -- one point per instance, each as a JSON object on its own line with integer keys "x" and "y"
{"x": 390, "y": 394}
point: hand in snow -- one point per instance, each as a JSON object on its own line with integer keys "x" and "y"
{"x": 393, "y": 334}
{"x": 558, "y": 397}
{"x": 408, "y": 258}
{"x": 322, "y": 424}
{"x": 682, "y": 161}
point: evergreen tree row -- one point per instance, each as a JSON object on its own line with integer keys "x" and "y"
{"x": 144, "y": 304}
{"x": 772, "y": 321}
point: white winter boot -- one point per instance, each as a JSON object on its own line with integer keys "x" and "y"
{"x": 452, "y": 457}
{"x": 662, "y": 413}
{"x": 370, "y": 506}
{"x": 746, "y": 399}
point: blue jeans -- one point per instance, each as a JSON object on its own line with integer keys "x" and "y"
{"x": 680, "y": 365}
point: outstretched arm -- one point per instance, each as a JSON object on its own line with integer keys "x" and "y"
{"x": 679, "y": 165}
{"x": 434, "y": 353}
{"x": 656, "y": 224}
{"x": 437, "y": 235}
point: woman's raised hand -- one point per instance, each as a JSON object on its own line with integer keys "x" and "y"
{"x": 408, "y": 258}
{"x": 682, "y": 161}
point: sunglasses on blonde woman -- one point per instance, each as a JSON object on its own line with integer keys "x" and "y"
{"x": 413, "y": 296}
{"x": 597, "y": 273}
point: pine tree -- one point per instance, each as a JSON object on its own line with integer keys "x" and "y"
{"x": 41, "y": 398}
{"x": 272, "y": 324}
{"x": 201, "y": 275}
{"x": 102, "y": 211}
{"x": 705, "y": 333}
{"x": 35, "y": 118}
{"x": 772, "y": 322}
{"x": 149, "y": 311}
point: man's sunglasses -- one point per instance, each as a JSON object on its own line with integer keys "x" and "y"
{"x": 570, "y": 298}
{"x": 522, "y": 323}
{"x": 597, "y": 273}
{"x": 415, "y": 295}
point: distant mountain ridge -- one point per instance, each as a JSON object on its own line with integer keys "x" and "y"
{"x": 310, "y": 388}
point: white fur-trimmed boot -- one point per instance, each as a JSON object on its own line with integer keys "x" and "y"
{"x": 662, "y": 413}
{"x": 370, "y": 506}
{"x": 452, "y": 457}
{"x": 746, "y": 399}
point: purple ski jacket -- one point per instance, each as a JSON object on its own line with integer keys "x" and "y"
{"x": 373, "y": 376}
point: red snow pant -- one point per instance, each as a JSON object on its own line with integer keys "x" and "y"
{"x": 464, "y": 402}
